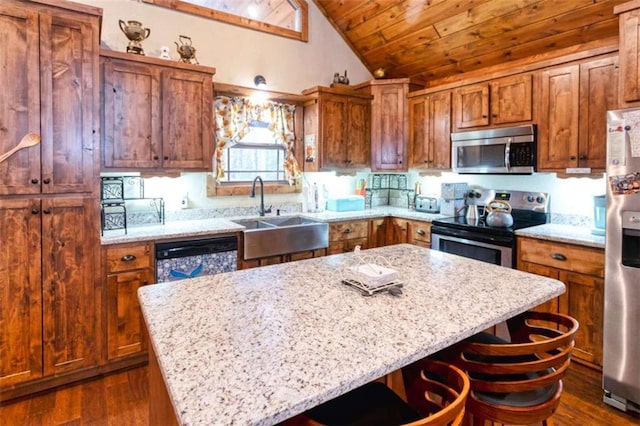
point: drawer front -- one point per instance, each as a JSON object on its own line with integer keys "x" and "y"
{"x": 348, "y": 230}
{"x": 129, "y": 257}
{"x": 568, "y": 257}
{"x": 347, "y": 246}
{"x": 419, "y": 232}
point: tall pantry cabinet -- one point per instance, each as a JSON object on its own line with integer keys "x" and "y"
{"x": 49, "y": 222}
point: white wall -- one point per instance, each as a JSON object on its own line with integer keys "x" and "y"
{"x": 238, "y": 53}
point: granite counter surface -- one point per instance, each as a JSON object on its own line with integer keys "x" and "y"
{"x": 564, "y": 234}
{"x": 261, "y": 345}
{"x": 211, "y": 227}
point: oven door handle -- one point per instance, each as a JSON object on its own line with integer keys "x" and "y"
{"x": 466, "y": 241}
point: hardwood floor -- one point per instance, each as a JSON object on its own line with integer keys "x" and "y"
{"x": 121, "y": 399}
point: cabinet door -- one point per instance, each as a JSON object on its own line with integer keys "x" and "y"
{"x": 131, "y": 102}
{"x": 629, "y": 56}
{"x": 398, "y": 231}
{"x": 19, "y": 99}
{"x": 333, "y": 116}
{"x": 584, "y": 301}
{"x": 558, "y": 130}
{"x": 69, "y": 242}
{"x": 358, "y": 133}
{"x": 439, "y": 134}
{"x": 430, "y": 131}
{"x": 551, "y": 305}
{"x": 69, "y": 102}
{"x": 472, "y": 106}
{"x": 389, "y": 128}
{"x": 511, "y": 100}
{"x": 598, "y": 94}
{"x": 20, "y": 304}
{"x": 187, "y": 132}
{"x": 125, "y": 328}
{"x": 378, "y": 233}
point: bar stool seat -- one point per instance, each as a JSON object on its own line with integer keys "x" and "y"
{"x": 518, "y": 381}
{"x": 436, "y": 395}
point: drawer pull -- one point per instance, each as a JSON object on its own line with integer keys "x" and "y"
{"x": 348, "y": 231}
{"x": 420, "y": 232}
{"x": 128, "y": 258}
{"x": 558, "y": 256}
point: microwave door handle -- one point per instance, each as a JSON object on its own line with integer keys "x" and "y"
{"x": 507, "y": 154}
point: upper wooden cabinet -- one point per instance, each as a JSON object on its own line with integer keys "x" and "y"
{"x": 49, "y": 68}
{"x": 573, "y": 105}
{"x": 156, "y": 114}
{"x": 389, "y": 122}
{"x": 430, "y": 131}
{"x": 501, "y": 101}
{"x": 339, "y": 122}
{"x": 629, "y": 53}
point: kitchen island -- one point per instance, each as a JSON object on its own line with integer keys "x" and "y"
{"x": 261, "y": 345}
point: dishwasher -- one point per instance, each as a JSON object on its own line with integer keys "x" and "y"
{"x": 177, "y": 260}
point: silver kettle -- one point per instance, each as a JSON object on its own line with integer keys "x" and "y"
{"x": 499, "y": 214}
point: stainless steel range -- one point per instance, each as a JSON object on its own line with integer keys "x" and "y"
{"x": 475, "y": 239}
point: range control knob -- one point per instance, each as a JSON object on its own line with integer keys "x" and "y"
{"x": 540, "y": 199}
{"x": 530, "y": 198}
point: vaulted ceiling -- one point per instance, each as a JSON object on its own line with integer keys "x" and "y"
{"x": 432, "y": 39}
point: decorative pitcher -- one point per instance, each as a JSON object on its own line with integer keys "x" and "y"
{"x": 135, "y": 32}
{"x": 186, "y": 51}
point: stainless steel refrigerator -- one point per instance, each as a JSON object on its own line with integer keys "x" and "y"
{"x": 621, "y": 373}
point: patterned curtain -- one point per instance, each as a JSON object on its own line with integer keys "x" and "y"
{"x": 232, "y": 117}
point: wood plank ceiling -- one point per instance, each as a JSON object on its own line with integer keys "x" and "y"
{"x": 429, "y": 40}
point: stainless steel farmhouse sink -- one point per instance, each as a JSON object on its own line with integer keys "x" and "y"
{"x": 274, "y": 236}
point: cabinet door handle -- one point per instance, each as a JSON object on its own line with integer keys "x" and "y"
{"x": 34, "y": 181}
{"x": 573, "y": 157}
{"x": 35, "y": 211}
{"x": 46, "y": 181}
{"x": 128, "y": 258}
{"x": 46, "y": 211}
{"x": 420, "y": 232}
{"x": 166, "y": 157}
{"x": 558, "y": 256}
{"x": 348, "y": 231}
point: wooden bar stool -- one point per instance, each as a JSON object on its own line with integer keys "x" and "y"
{"x": 436, "y": 395}
{"x": 518, "y": 382}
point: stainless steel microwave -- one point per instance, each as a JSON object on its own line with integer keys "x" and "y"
{"x": 495, "y": 151}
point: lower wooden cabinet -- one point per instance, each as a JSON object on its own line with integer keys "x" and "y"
{"x": 345, "y": 236}
{"x": 49, "y": 309}
{"x": 415, "y": 232}
{"x": 128, "y": 267}
{"x": 581, "y": 269}
{"x": 274, "y": 260}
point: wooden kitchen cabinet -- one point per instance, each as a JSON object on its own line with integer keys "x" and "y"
{"x": 48, "y": 268}
{"x": 629, "y": 49}
{"x": 389, "y": 122}
{"x": 575, "y": 99}
{"x": 345, "y": 236}
{"x": 50, "y": 74}
{"x": 339, "y": 122}
{"x": 157, "y": 114}
{"x": 284, "y": 258}
{"x": 415, "y": 232}
{"x": 430, "y": 131}
{"x": 507, "y": 100}
{"x": 128, "y": 267}
{"x": 582, "y": 271}
{"x": 50, "y": 303}
{"x": 378, "y": 229}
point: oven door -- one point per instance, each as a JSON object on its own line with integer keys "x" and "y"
{"x": 480, "y": 250}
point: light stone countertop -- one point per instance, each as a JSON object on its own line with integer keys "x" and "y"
{"x": 261, "y": 345}
{"x": 564, "y": 234}
{"x": 211, "y": 227}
